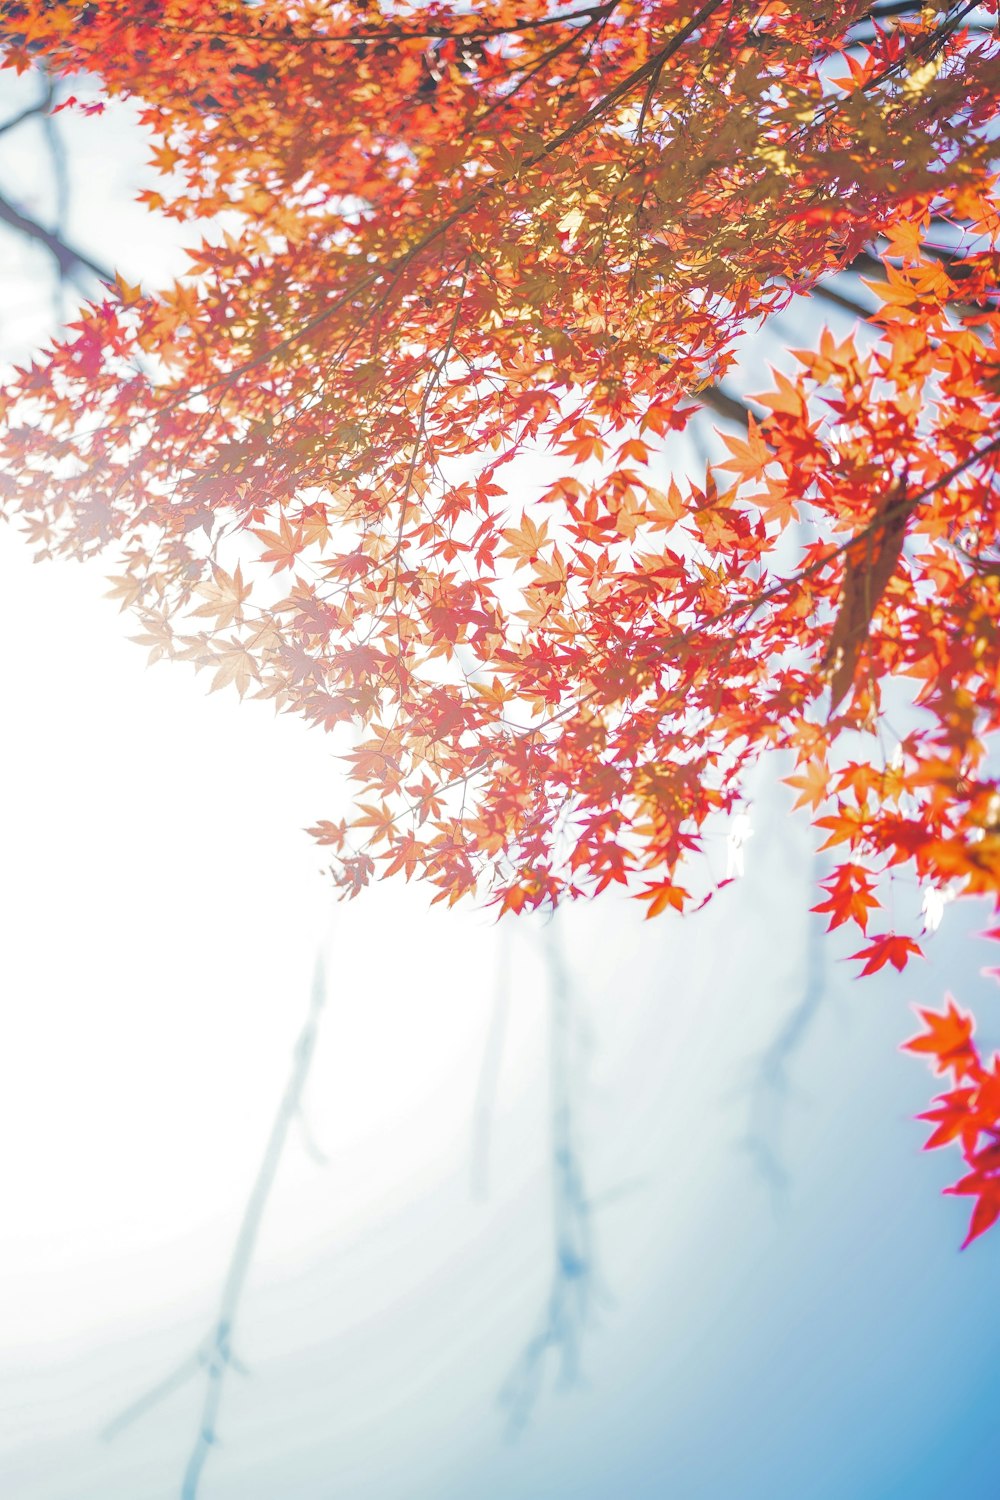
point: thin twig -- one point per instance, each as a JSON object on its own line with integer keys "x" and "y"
{"x": 156, "y": 1393}
{"x": 60, "y": 176}
{"x": 246, "y": 1240}
{"x": 215, "y": 1355}
{"x": 567, "y": 1308}
{"x": 771, "y": 1088}
{"x": 489, "y": 1071}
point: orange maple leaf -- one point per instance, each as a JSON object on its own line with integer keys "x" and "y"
{"x": 948, "y": 1040}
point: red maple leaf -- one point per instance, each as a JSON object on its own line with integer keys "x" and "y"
{"x": 887, "y": 948}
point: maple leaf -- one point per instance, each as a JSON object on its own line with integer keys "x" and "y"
{"x": 887, "y": 948}
{"x": 282, "y": 547}
{"x": 235, "y": 665}
{"x": 849, "y": 897}
{"x": 985, "y": 1187}
{"x": 525, "y": 540}
{"x": 947, "y": 1039}
{"x": 128, "y": 294}
{"x": 664, "y": 896}
{"x": 904, "y": 240}
{"x": 954, "y": 1119}
{"x": 224, "y": 596}
{"x": 127, "y": 589}
{"x": 750, "y": 458}
{"x": 812, "y": 784}
{"x": 331, "y": 834}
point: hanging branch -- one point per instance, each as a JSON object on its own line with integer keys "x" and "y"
{"x": 31, "y": 111}
{"x": 215, "y": 1355}
{"x": 69, "y": 260}
{"x": 772, "y": 1086}
{"x": 572, "y": 1282}
{"x": 490, "y": 1069}
{"x": 60, "y": 176}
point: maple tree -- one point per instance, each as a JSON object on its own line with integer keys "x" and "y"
{"x": 400, "y": 452}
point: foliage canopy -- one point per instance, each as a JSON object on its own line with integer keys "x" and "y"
{"x": 401, "y": 451}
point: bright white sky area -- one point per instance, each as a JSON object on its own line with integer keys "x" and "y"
{"x": 776, "y": 1286}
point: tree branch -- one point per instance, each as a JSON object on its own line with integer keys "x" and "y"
{"x": 473, "y": 33}
{"x": 30, "y": 113}
{"x": 215, "y": 1355}
{"x": 567, "y": 1308}
{"x": 68, "y": 258}
{"x": 729, "y": 408}
{"x": 837, "y": 299}
{"x": 489, "y": 1070}
{"x": 771, "y": 1089}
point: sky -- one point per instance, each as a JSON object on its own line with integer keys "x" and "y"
{"x": 767, "y": 1298}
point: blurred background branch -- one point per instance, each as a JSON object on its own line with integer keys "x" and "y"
{"x": 215, "y": 1356}
{"x": 71, "y": 263}
{"x": 568, "y": 1305}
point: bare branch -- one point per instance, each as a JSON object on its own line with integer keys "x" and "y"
{"x": 567, "y": 1309}
{"x": 215, "y": 1355}
{"x": 490, "y": 1068}
{"x": 730, "y": 408}
{"x": 847, "y": 304}
{"x": 32, "y": 111}
{"x": 69, "y": 260}
{"x": 772, "y": 1089}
